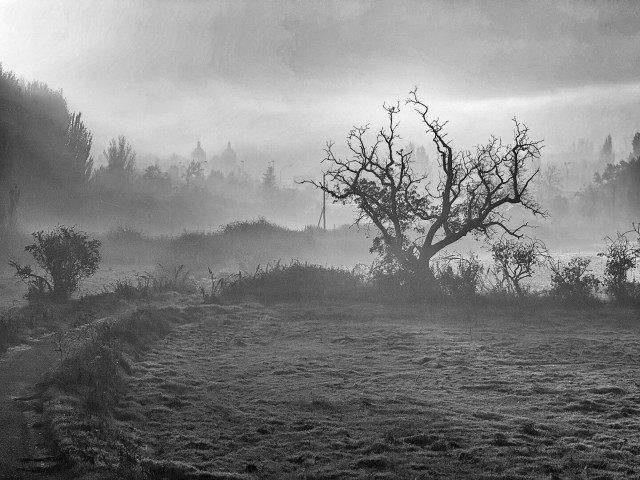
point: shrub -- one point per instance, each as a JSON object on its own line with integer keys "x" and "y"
{"x": 126, "y": 235}
{"x": 293, "y": 282}
{"x": 390, "y": 279}
{"x": 571, "y": 281}
{"x": 259, "y": 226}
{"x": 66, "y": 255}
{"x": 462, "y": 281}
{"x": 621, "y": 257}
{"x": 514, "y": 262}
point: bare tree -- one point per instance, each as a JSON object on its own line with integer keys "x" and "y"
{"x": 416, "y": 220}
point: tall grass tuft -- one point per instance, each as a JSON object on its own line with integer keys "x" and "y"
{"x": 148, "y": 284}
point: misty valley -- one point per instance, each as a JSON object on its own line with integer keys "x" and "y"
{"x": 232, "y": 262}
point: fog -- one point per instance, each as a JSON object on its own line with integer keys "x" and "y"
{"x": 319, "y": 239}
{"x": 284, "y": 76}
{"x": 261, "y": 87}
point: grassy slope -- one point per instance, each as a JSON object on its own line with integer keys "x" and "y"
{"x": 409, "y": 392}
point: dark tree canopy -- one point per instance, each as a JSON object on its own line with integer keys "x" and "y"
{"x": 269, "y": 181}
{"x": 416, "y": 216}
{"x": 635, "y": 145}
{"x": 120, "y": 156}
{"x": 79, "y": 141}
{"x": 44, "y": 148}
{"x": 113, "y": 182}
{"x": 606, "y": 152}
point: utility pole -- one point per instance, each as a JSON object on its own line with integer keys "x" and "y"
{"x": 323, "y": 214}
{"x": 324, "y": 202}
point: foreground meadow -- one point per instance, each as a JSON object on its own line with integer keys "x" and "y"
{"x": 369, "y": 391}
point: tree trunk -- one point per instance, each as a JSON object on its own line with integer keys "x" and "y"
{"x": 517, "y": 288}
{"x": 421, "y": 280}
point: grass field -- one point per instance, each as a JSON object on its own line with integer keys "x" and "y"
{"x": 369, "y": 391}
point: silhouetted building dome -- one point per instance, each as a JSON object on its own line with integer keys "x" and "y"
{"x": 228, "y": 161}
{"x": 199, "y": 155}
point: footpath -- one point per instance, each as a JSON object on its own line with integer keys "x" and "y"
{"x": 23, "y": 449}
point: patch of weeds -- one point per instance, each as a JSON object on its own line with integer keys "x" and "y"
{"x": 300, "y": 458}
{"x": 184, "y": 471}
{"x": 421, "y": 440}
{"x": 376, "y": 448}
{"x": 148, "y": 284}
{"x": 305, "y": 427}
{"x": 586, "y": 406}
{"x": 624, "y": 412}
{"x": 607, "y": 390}
{"x": 264, "y": 430}
{"x": 323, "y": 404}
{"x": 442, "y": 445}
{"x": 530, "y": 429}
{"x": 500, "y": 440}
{"x": 374, "y": 462}
{"x": 544, "y": 390}
{"x": 488, "y": 416}
{"x": 130, "y": 290}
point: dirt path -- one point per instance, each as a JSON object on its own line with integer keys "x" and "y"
{"x": 25, "y": 453}
{"x": 23, "y": 450}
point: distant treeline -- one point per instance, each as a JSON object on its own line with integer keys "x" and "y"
{"x": 587, "y": 185}
{"x": 47, "y": 172}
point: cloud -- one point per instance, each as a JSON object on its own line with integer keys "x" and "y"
{"x": 277, "y": 73}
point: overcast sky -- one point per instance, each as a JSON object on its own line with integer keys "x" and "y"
{"x": 283, "y": 77}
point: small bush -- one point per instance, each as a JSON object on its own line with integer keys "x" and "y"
{"x": 66, "y": 255}
{"x": 515, "y": 261}
{"x": 621, "y": 257}
{"x": 571, "y": 281}
{"x": 459, "y": 277}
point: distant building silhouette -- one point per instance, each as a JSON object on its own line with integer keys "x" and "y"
{"x": 199, "y": 155}
{"x": 228, "y": 160}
